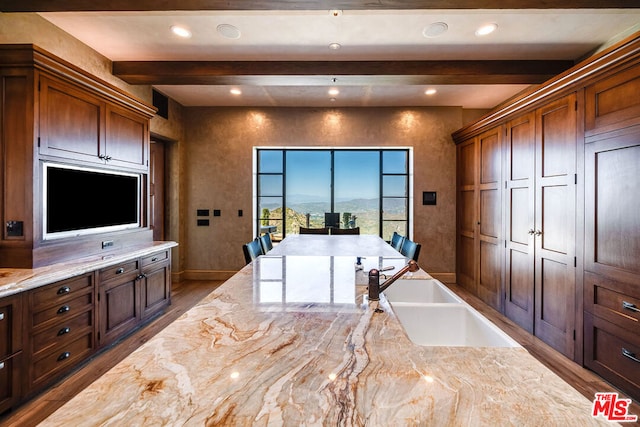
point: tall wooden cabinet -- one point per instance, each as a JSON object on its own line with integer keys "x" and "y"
{"x": 479, "y": 216}
{"x": 52, "y": 111}
{"x": 568, "y": 217}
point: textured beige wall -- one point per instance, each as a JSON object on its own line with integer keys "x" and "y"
{"x": 31, "y": 28}
{"x": 218, "y": 162}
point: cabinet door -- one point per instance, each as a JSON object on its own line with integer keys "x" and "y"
{"x": 71, "y": 122}
{"x": 10, "y": 350}
{"x": 156, "y": 290}
{"x": 119, "y": 309}
{"x": 519, "y": 220}
{"x": 127, "y": 140}
{"x": 466, "y": 215}
{"x": 555, "y": 213}
{"x": 489, "y": 221}
{"x": 10, "y": 378}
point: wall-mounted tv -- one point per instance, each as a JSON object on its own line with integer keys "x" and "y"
{"x": 79, "y": 201}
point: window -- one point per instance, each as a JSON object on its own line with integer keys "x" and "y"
{"x": 366, "y": 188}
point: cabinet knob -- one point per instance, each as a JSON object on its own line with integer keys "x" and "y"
{"x": 538, "y": 233}
{"x": 1, "y": 365}
{"x": 64, "y": 290}
{"x": 141, "y": 276}
{"x": 64, "y": 309}
{"x": 63, "y": 356}
{"x": 1, "y": 316}
{"x": 154, "y": 259}
{"x": 64, "y": 331}
{"x": 531, "y": 231}
{"x": 120, "y": 270}
{"x": 630, "y": 306}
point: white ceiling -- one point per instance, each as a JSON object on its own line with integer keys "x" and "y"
{"x": 363, "y": 35}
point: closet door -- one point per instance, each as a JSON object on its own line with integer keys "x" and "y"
{"x": 554, "y": 231}
{"x": 466, "y": 215}
{"x": 489, "y": 221}
{"x": 519, "y": 220}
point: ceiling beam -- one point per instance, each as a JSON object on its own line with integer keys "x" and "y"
{"x": 344, "y": 72}
{"x": 176, "y": 5}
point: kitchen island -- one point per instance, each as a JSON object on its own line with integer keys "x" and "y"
{"x": 281, "y": 343}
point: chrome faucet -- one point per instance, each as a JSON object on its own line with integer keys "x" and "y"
{"x": 374, "y": 279}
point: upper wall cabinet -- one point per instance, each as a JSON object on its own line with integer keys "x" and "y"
{"x": 613, "y": 102}
{"x": 76, "y": 125}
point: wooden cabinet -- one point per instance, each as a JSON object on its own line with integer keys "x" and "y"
{"x": 10, "y": 351}
{"x": 61, "y": 328}
{"x": 612, "y": 257}
{"x": 479, "y": 248}
{"x": 53, "y": 111}
{"x": 132, "y": 292}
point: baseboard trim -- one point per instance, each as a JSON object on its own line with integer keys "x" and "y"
{"x": 444, "y": 277}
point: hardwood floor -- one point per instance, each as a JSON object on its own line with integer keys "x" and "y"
{"x": 185, "y": 295}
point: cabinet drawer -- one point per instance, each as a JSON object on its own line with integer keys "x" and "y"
{"x": 119, "y": 270}
{"x": 65, "y": 356}
{"x": 157, "y": 258}
{"x": 60, "y": 291}
{"x": 614, "y": 353}
{"x": 63, "y": 311}
{"x": 616, "y": 302}
{"x": 62, "y": 332}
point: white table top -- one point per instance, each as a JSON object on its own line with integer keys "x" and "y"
{"x": 344, "y": 245}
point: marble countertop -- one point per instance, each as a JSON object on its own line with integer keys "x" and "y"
{"x": 16, "y": 280}
{"x": 276, "y": 345}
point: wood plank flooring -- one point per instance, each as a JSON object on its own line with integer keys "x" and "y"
{"x": 186, "y": 294}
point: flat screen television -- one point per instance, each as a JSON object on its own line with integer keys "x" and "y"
{"x": 79, "y": 201}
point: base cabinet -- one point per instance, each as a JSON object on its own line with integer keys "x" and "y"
{"x": 131, "y": 293}
{"x": 10, "y": 351}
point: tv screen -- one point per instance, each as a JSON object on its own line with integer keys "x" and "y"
{"x": 81, "y": 201}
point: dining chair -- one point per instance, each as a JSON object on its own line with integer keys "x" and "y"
{"x": 306, "y": 230}
{"x": 252, "y": 250}
{"x": 266, "y": 243}
{"x": 396, "y": 241}
{"x": 410, "y": 249}
{"x": 343, "y": 231}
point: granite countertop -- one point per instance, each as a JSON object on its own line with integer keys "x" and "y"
{"x": 16, "y": 280}
{"x": 278, "y": 345}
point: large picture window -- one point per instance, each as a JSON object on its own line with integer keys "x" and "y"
{"x": 346, "y": 188}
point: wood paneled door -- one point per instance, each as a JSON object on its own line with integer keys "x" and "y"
{"x": 540, "y": 215}
{"x": 555, "y": 224}
{"x": 520, "y": 220}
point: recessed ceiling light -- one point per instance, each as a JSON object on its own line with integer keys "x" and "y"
{"x": 235, "y": 91}
{"x": 435, "y": 29}
{"x": 228, "y": 31}
{"x": 430, "y": 91}
{"x": 334, "y": 46}
{"x": 180, "y": 31}
{"x": 486, "y": 29}
{"x": 333, "y": 91}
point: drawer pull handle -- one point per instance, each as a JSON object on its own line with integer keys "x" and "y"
{"x": 154, "y": 259}
{"x": 1, "y": 365}
{"x": 626, "y": 353}
{"x": 1, "y": 316}
{"x": 630, "y": 306}
{"x": 63, "y": 356}
{"x": 64, "y": 290}
{"x": 64, "y": 331}
{"x": 141, "y": 276}
{"x": 120, "y": 270}
{"x": 64, "y": 309}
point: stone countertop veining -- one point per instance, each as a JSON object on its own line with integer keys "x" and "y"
{"x": 258, "y": 352}
{"x": 16, "y": 280}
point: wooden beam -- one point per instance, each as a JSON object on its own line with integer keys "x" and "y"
{"x": 290, "y": 73}
{"x": 176, "y": 5}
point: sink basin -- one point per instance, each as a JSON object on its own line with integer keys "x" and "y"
{"x": 420, "y": 291}
{"x": 455, "y": 325}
